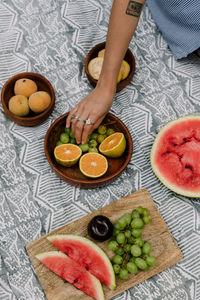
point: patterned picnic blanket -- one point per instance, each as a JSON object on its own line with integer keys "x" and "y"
{"x": 53, "y": 38}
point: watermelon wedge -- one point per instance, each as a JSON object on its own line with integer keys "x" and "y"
{"x": 175, "y": 155}
{"x": 88, "y": 255}
{"x": 72, "y": 272}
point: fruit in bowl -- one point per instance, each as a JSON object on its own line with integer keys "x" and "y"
{"x": 94, "y": 61}
{"x": 18, "y": 105}
{"x": 25, "y": 85}
{"x": 57, "y": 135}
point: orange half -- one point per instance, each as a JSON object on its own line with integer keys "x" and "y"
{"x": 93, "y": 165}
{"x": 67, "y": 154}
{"x": 114, "y": 145}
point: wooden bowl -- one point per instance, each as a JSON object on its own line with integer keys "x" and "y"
{"x": 128, "y": 57}
{"x": 73, "y": 175}
{"x": 32, "y": 118}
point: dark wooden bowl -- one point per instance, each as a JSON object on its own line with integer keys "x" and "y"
{"x": 128, "y": 57}
{"x": 73, "y": 175}
{"x": 32, "y": 118}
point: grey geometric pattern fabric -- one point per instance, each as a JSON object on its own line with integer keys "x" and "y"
{"x": 52, "y": 38}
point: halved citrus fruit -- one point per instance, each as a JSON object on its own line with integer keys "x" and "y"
{"x": 125, "y": 69}
{"x": 95, "y": 66}
{"x": 101, "y": 53}
{"x": 67, "y": 154}
{"x": 93, "y": 165}
{"x": 114, "y": 145}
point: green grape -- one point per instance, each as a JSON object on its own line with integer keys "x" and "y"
{"x": 140, "y": 263}
{"x": 59, "y": 143}
{"x": 136, "y": 232}
{"x": 136, "y": 250}
{"x": 102, "y": 129}
{"x": 127, "y": 233}
{"x": 73, "y": 141}
{"x": 127, "y": 248}
{"x": 115, "y": 231}
{"x": 151, "y": 260}
{"x": 93, "y": 149}
{"x": 110, "y": 131}
{"x": 117, "y": 259}
{"x": 122, "y": 223}
{"x": 71, "y": 135}
{"x": 127, "y": 218}
{"x": 123, "y": 274}
{"x": 147, "y": 268}
{"x": 117, "y": 226}
{"x": 137, "y": 223}
{"x": 140, "y": 210}
{"x": 120, "y": 238}
{"x": 147, "y": 247}
{"x": 84, "y": 147}
{"x": 147, "y": 219}
{"x": 139, "y": 242}
{"x": 93, "y": 143}
{"x": 67, "y": 130}
{"x": 100, "y": 138}
{"x": 94, "y": 136}
{"x": 64, "y": 138}
{"x": 116, "y": 268}
{"x": 120, "y": 251}
{"x": 145, "y": 212}
{"x": 135, "y": 214}
{"x": 131, "y": 267}
{"x": 112, "y": 245}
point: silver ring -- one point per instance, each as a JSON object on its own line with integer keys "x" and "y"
{"x": 74, "y": 117}
{"x": 88, "y": 122}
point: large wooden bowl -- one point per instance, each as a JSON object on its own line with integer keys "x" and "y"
{"x": 128, "y": 57}
{"x": 73, "y": 175}
{"x": 32, "y": 118}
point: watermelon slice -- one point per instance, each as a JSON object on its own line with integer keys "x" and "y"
{"x": 175, "y": 156}
{"x": 72, "y": 272}
{"x": 88, "y": 255}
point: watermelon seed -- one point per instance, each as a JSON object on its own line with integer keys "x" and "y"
{"x": 87, "y": 268}
{"x": 66, "y": 252}
{"x": 75, "y": 280}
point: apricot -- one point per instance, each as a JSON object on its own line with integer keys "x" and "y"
{"x": 39, "y": 101}
{"x": 25, "y": 86}
{"x": 18, "y": 105}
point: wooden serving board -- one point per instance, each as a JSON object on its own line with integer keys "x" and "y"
{"x": 164, "y": 248}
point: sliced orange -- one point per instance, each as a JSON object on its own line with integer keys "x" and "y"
{"x": 114, "y": 145}
{"x": 101, "y": 53}
{"x": 93, "y": 164}
{"x": 67, "y": 154}
{"x": 125, "y": 69}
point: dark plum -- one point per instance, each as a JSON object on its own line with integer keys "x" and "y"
{"x": 100, "y": 228}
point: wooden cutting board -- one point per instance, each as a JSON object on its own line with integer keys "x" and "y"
{"x": 164, "y": 249}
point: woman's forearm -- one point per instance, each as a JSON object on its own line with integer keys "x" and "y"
{"x": 122, "y": 25}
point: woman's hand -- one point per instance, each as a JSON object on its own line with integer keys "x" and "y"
{"x": 94, "y": 106}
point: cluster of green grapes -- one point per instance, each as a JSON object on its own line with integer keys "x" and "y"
{"x": 93, "y": 140}
{"x": 131, "y": 251}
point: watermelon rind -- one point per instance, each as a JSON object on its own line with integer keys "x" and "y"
{"x": 95, "y": 248}
{"x": 96, "y": 283}
{"x": 157, "y": 172}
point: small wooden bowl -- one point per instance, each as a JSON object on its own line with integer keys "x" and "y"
{"x": 73, "y": 175}
{"x": 32, "y": 118}
{"x": 129, "y": 58}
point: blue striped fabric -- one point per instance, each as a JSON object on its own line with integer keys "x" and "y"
{"x": 179, "y": 23}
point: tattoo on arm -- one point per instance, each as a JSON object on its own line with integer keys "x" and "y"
{"x": 134, "y": 8}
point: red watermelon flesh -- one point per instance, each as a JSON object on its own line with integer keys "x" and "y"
{"x": 72, "y": 272}
{"x": 175, "y": 154}
{"x": 88, "y": 255}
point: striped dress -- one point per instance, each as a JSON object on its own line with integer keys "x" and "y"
{"x": 179, "y": 23}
